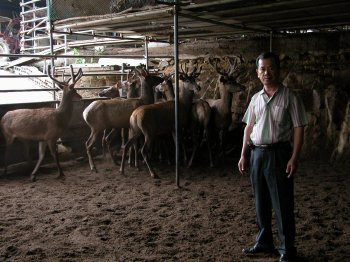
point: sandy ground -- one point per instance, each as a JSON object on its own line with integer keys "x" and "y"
{"x": 211, "y": 217}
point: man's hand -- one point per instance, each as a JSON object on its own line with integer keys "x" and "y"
{"x": 242, "y": 165}
{"x": 292, "y": 167}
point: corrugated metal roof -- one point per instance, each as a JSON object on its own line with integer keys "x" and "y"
{"x": 224, "y": 18}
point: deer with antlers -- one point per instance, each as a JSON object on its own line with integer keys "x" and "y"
{"x": 45, "y": 125}
{"x": 115, "y": 113}
{"x": 221, "y": 108}
{"x": 154, "y": 120}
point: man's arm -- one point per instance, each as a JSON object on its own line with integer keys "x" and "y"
{"x": 242, "y": 164}
{"x": 297, "y": 144}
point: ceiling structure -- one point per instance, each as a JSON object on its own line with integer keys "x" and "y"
{"x": 221, "y": 18}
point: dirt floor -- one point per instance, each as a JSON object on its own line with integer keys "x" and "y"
{"x": 211, "y": 217}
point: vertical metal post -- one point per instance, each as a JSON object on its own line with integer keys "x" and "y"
{"x": 35, "y": 41}
{"x": 49, "y": 15}
{"x": 22, "y": 28}
{"x": 271, "y": 41}
{"x": 176, "y": 58}
{"x": 122, "y": 79}
{"x": 65, "y": 48}
{"x": 146, "y": 51}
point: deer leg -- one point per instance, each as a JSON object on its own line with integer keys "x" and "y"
{"x": 136, "y": 149}
{"x": 167, "y": 152}
{"x": 194, "y": 150}
{"x": 26, "y": 151}
{"x": 131, "y": 149}
{"x": 163, "y": 150}
{"x": 182, "y": 144}
{"x": 130, "y": 153}
{"x": 42, "y": 147}
{"x": 126, "y": 148}
{"x": 222, "y": 142}
{"x": 145, "y": 146}
{"x": 4, "y": 172}
{"x": 53, "y": 150}
{"x": 89, "y": 143}
{"x": 104, "y": 138}
{"x": 111, "y": 137}
{"x": 184, "y": 152}
{"x": 207, "y": 136}
{"x": 9, "y": 141}
{"x": 195, "y": 138}
{"x": 124, "y": 135}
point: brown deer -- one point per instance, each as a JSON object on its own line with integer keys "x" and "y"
{"x": 115, "y": 113}
{"x": 200, "y": 120}
{"x": 221, "y": 108}
{"x": 158, "y": 119}
{"x": 45, "y": 125}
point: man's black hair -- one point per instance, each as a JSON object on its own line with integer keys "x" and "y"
{"x": 267, "y": 55}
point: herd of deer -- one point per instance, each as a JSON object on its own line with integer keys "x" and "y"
{"x": 143, "y": 118}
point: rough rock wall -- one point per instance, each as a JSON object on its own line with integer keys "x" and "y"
{"x": 315, "y": 66}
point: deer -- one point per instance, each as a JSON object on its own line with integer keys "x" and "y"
{"x": 158, "y": 119}
{"x": 110, "y": 92}
{"x": 200, "y": 120}
{"x": 166, "y": 88}
{"x": 221, "y": 108}
{"x": 165, "y": 92}
{"x": 132, "y": 86}
{"x": 45, "y": 125}
{"x": 115, "y": 113}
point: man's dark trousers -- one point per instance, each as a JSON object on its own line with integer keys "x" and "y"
{"x": 272, "y": 189}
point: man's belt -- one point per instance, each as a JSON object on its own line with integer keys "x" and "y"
{"x": 271, "y": 146}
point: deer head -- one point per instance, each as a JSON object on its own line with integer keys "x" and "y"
{"x": 189, "y": 79}
{"x": 68, "y": 88}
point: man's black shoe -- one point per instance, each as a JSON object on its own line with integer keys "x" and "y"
{"x": 287, "y": 258}
{"x": 257, "y": 250}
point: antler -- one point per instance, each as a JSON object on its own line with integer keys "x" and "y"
{"x": 196, "y": 72}
{"x": 214, "y": 63}
{"x": 234, "y": 61}
{"x": 59, "y": 83}
{"x": 186, "y": 69}
{"x": 141, "y": 71}
{"x": 75, "y": 78}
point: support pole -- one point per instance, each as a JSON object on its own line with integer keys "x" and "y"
{"x": 146, "y": 51}
{"x": 49, "y": 15}
{"x": 271, "y": 41}
{"x": 176, "y": 58}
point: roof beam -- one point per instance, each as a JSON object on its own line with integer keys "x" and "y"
{"x": 211, "y": 21}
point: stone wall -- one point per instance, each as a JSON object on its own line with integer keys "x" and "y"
{"x": 315, "y": 65}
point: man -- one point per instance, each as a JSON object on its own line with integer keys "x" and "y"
{"x": 275, "y": 117}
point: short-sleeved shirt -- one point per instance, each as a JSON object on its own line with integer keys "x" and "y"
{"x": 273, "y": 118}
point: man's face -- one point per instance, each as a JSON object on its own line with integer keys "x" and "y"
{"x": 268, "y": 72}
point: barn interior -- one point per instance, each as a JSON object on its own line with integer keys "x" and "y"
{"x": 311, "y": 37}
